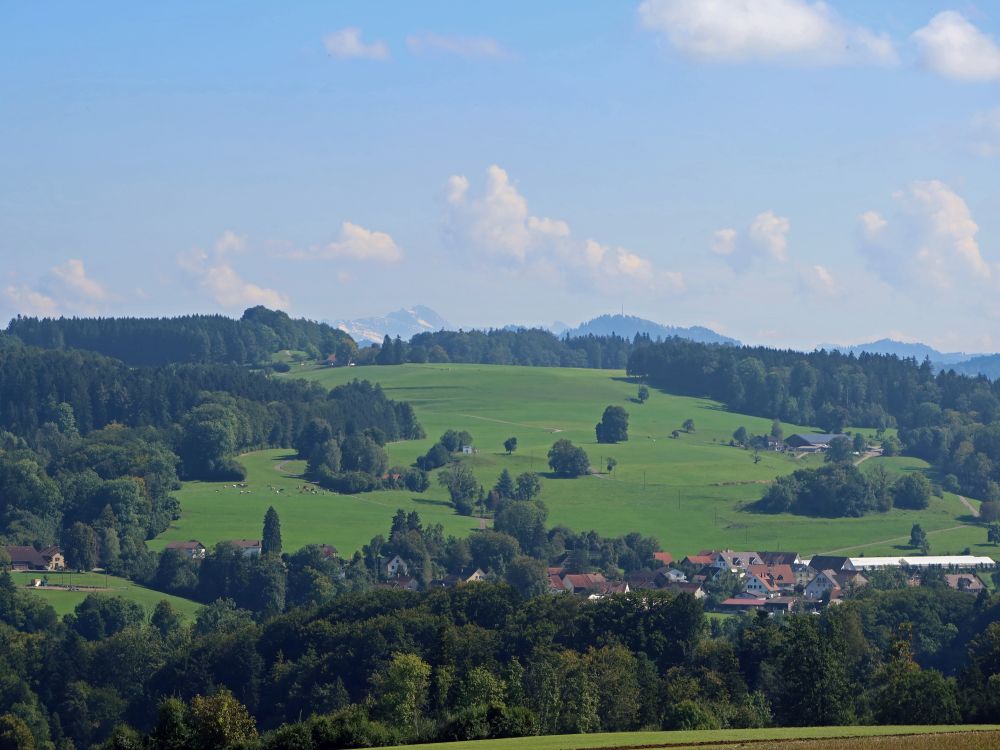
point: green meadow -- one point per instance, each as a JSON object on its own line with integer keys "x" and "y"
{"x": 690, "y": 492}
{"x": 970, "y": 736}
{"x": 65, "y": 601}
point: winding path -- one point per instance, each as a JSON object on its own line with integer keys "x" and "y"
{"x": 972, "y": 508}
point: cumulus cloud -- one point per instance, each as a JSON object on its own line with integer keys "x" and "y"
{"x": 741, "y": 30}
{"x": 818, "y": 280}
{"x": 952, "y": 46}
{"x": 347, "y": 43}
{"x": 765, "y": 238}
{"x": 498, "y": 227}
{"x": 930, "y": 240}
{"x": 65, "y": 288}
{"x": 355, "y": 243}
{"x": 74, "y": 278}
{"x": 469, "y": 47}
{"x": 26, "y": 301}
{"x": 219, "y": 279}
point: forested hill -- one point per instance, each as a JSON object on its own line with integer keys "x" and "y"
{"x": 948, "y": 419}
{"x": 187, "y": 339}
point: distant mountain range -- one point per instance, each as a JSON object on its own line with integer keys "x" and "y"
{"x": 960, "y": 362}
{"x": 901, "y": 349}
{"x": 404, "y": 323}
{"x": 628, "y": 326}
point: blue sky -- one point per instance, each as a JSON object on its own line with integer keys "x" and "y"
{"x": 785, "y": 171}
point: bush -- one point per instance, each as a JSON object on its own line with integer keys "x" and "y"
{"x": 351, "y": 727}
{"x": 224, "y": 470}
{"x": 435, "y": 458}
{"x": 347, "y": 482}
{"x": 568, "y": 460}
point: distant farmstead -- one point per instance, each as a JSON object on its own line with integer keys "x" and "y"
{"x": 812, "y": 441}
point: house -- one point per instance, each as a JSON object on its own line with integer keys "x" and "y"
{"x": 328, "y": 551}
{"x": 780, "y": 558}
{"x": 406, "y": 583}
{"x": 663, "y": 558}
{"x": 824, "y": 583}
{"x": 53, "y": 556}
{"x": 727, "y": 559}
{"x": 836, "y": 584}
{"x": 742, "y": 603}
{"x": 581, "y": 583}
{"x": 469, "y": 575}
{"x": 608, "y": 588}
{"x": 468, "y": 450}
{"x": 556, "y": 585}
{"x": 769, "y": 580}
{"x": 249, "y": 547}
{"x": 835, "y": 563}
{"x": 193, "y": 549}
{"x": 694, "y": 589}
{"x": 782, "y": 604}
{"x": 700, "y": 560}
{"x": 395, "y": 566}
{"x": 643, "y": 579}
{"x": 968, "y": 582}
{"x": 810, "y": 442}
{"x": 26, "y": 558}
{"x": 670, "y": 575}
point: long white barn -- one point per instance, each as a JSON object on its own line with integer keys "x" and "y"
{"x": 963, "y": 562}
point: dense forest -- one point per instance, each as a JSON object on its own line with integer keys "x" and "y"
{"x": 90, "y": 450}
{"x": 480, "y": 660}
{"x": 188, "y": 339}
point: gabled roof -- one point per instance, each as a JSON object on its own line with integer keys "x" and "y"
{"x": 25, "y": 556}
{"x": 192, "y": 544}
{"x": 814, "y": 438}
{"x": 584, "y": 581}
{"x": 244, "y": 543}
{"x": 836, "y": 563}
{"x": 704, "y": 558}
{"x": 779, "y": 575}
{"x": 779, "y": 558}
{"x": 663, "y": 557}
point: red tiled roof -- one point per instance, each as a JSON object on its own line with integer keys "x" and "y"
{"x": 664, "y": 557}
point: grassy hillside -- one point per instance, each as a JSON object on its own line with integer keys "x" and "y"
{"x": 688, "y": 492}
{"x": 65, "y": 601}
{"x": 911, "y": 737}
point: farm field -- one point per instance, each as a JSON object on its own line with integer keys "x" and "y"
{"x": 688, "y": 492}
{"x": 808, "y": 738}
{"x": 65, "y": 601}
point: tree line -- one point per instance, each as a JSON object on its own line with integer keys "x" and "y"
{"x": 189, "y": 339}
{"x": 481, "y": 660}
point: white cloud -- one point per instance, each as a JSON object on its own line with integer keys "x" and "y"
{"x": 929, "y": 241}
{"x": 724, "y": 241}
{"x": 347, "y": 43}
{"x": 818, "y": 280}
{"x": 770, "y": 232}
{"x": 952, "y": 46}
{"x": 217, "y": 277}
{"x": 358, "y": 243}
{"x": 25, "y": 301}
{"x": 66, "y": 288}
{"x": 742, "y": 30}
{"x": 497, "y": 227}
{"x": 469, "y": 47}
{"x": 766, "y": 237}
{"x": 72, "y": 276}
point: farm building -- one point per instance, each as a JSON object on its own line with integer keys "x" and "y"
{"x": 192, "y": 549}
{"x": 812, "y": 441}
{"x": 26, "y": 558}
{"x": 957, "y": 562}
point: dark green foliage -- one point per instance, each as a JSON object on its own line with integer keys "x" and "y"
{"x": 436, "y": 457}
{"x": 568, "y": 460}
{"x": 528, "y": 486}
{"x": 839, "y": 450}
{"x": 510, "y": 445}
{"x": 270, "y": 540}
{"x": 613, "y": 427}
{"x": 461, "y": 485}
{"x": 99, "y": 616}
{"x": 188, "y": 339}
{"x": 912, "y": 491}
{"x": 833, "y": 490}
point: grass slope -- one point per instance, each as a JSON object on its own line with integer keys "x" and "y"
{"x": 730, "y": 738}
{"x": 65, "y": 601}
{"x": 688, "y": 492}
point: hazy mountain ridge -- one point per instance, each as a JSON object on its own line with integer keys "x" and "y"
{"x": 405, "y": 323}
{"x": 628, "y": 326}
{"x": 901, "y": 349}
